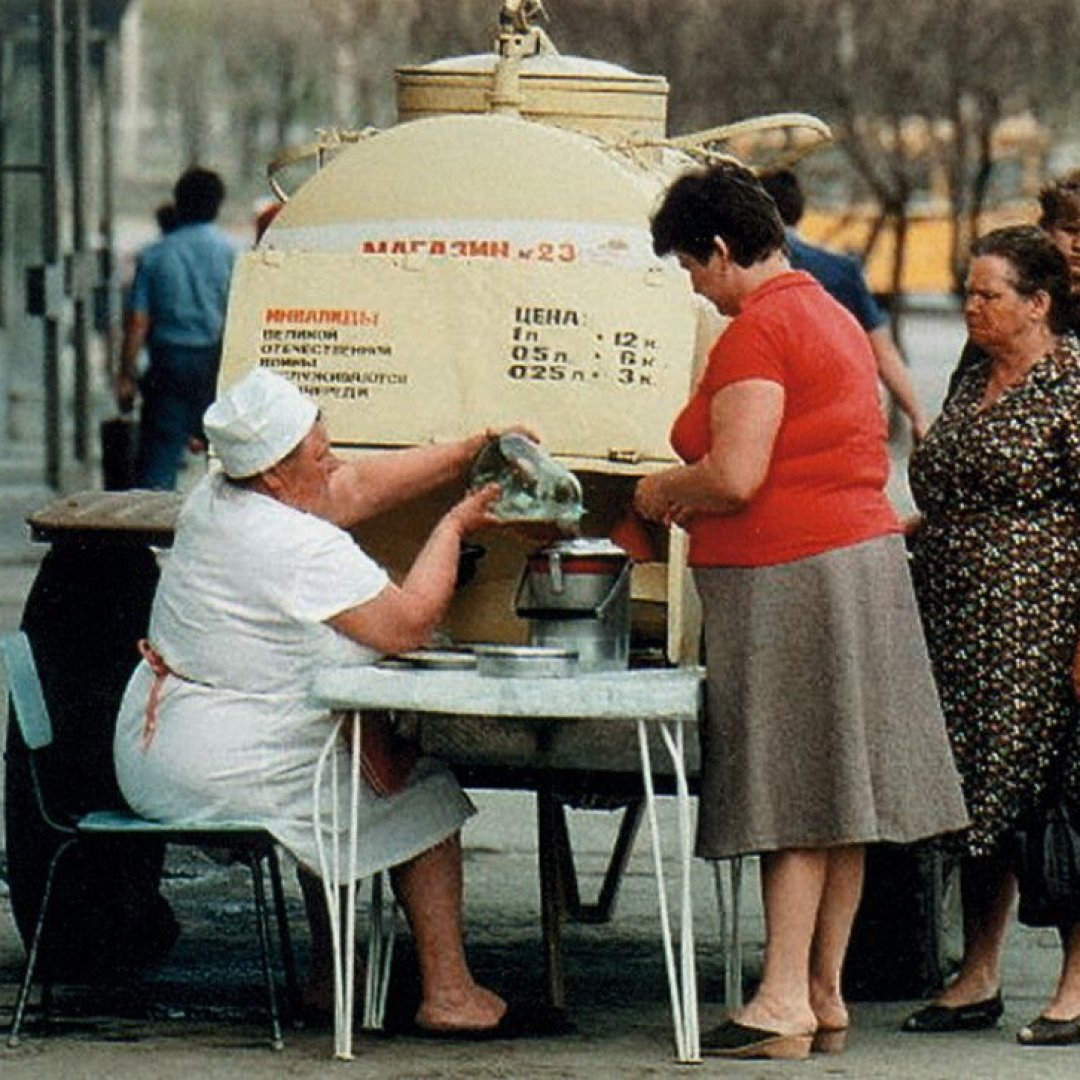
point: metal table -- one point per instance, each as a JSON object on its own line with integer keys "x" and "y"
{"x": 666, "y": 699}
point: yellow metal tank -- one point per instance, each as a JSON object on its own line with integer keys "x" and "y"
{"x": 486, "y": 262}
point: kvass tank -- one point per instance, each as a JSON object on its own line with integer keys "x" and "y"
{"x": 487, "y": 261}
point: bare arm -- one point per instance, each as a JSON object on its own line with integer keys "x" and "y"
{"x": 136, "y": 331}
{"x": 745, "y": 419}
{"x": 404, "y": 617}
{"x": 366, "y": 487}
{"x": 894, "y": 373}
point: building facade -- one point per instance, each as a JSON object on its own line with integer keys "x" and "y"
{"x": 58, "y": 309}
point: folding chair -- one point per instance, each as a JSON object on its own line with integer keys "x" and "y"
{"x": 251, "y": 843}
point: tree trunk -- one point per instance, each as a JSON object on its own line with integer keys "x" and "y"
{"x": 897, "y": 305}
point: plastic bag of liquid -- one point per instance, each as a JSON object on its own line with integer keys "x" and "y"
{"x": 535, "y": 487}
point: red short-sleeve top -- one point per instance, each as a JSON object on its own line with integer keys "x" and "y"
{"x": 825, "y": 487}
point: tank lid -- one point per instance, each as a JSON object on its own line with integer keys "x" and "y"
{"x": 546, "y": 65}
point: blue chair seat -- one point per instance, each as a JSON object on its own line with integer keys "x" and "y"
{"x": 248, "y": 841}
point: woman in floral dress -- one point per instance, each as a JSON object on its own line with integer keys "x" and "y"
{"x": 997, "y": 573}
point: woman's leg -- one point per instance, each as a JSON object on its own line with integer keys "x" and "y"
{"x": 987, "y": 891}
{"x": 1065, "y": 1004}
{"x": 792, "y": 884}
{"x": 429, "y": 888}
{"x": 836, "y": 915}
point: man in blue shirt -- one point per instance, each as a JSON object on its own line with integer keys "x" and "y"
{"x": 177, "y": 309}
{"x": 843, "y": 279}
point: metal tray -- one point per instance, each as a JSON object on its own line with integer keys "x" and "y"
{"x": 438, "y": 659}
{"x": 525, "y": 661}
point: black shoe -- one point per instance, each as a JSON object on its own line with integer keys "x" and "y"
{"x": 932, "y": 1019}
{"x": 734, "y": 1040}
{"x": 1045, "y": 1032}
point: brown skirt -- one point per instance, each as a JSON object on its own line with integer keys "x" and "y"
{"x": 822, "y": 723}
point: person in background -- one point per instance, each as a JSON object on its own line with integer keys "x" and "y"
{"x": 263, "y": 586}
{"x": 1059, "y": 218}
{"x": 996, "y": 564}
{"x": 844, "y": 280}
{"x": 176, "y": 308}
{"x": 166, "y": 217}
{"x": 823, "y": 730}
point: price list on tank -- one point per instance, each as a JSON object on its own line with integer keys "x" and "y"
{"x": 331, "y": 353}
{"x": 399, "y": 353}
{"x": 567, "y": 345}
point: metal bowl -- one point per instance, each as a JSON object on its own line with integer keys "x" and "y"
{"x": 525, "y": 661}
{"x": 447, "y": 659}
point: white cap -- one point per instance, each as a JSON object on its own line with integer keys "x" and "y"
{"x": 257, "y": 421}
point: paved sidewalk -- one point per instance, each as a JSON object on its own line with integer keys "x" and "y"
{"x": 200, "y": 1014}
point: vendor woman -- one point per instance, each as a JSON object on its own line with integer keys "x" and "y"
{"x": 262, "y": 587}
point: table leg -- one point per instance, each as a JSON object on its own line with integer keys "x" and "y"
{"x": 686, "y": 857}
{"x": 682, "y": 976}
{"x": 729, "y": 918}
{"x": 733, "y": 993}
{"x": 349, "y": 950}
{"x": 379, "y": 954}
{"x": 551, "y": 894}
{"x": 342, "y": 939}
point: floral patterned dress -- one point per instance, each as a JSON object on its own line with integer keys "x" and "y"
{"x": 996, "y": 567}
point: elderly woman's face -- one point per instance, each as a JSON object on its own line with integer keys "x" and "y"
{"x": 304, "y": 477}
{"x": 995, "y": 313}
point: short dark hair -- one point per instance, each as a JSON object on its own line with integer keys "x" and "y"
{"x": 724, "y": 200}
{"x": 1059, "y": 201}
{"x": 166, "y": 217}
{"x": 198, "y": 195}
{"x": 1037, "y": 264}
{"x": 786, "y": 191}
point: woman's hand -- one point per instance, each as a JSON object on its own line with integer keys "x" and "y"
{"x": 476, "y": 442}
{"x": 649, "y": 499}
{"x": 474, "y": 510}
{"x": 652, "y": 501}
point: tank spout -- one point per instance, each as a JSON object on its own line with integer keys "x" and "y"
{"x": 518, "y": 38}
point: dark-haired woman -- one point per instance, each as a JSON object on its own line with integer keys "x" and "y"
{"x": 823, "y": 730}
{"x": 1059, "y": 218}
{"x": 997, "y": 571}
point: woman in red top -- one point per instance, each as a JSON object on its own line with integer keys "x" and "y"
{"x": 823, "y": 730}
